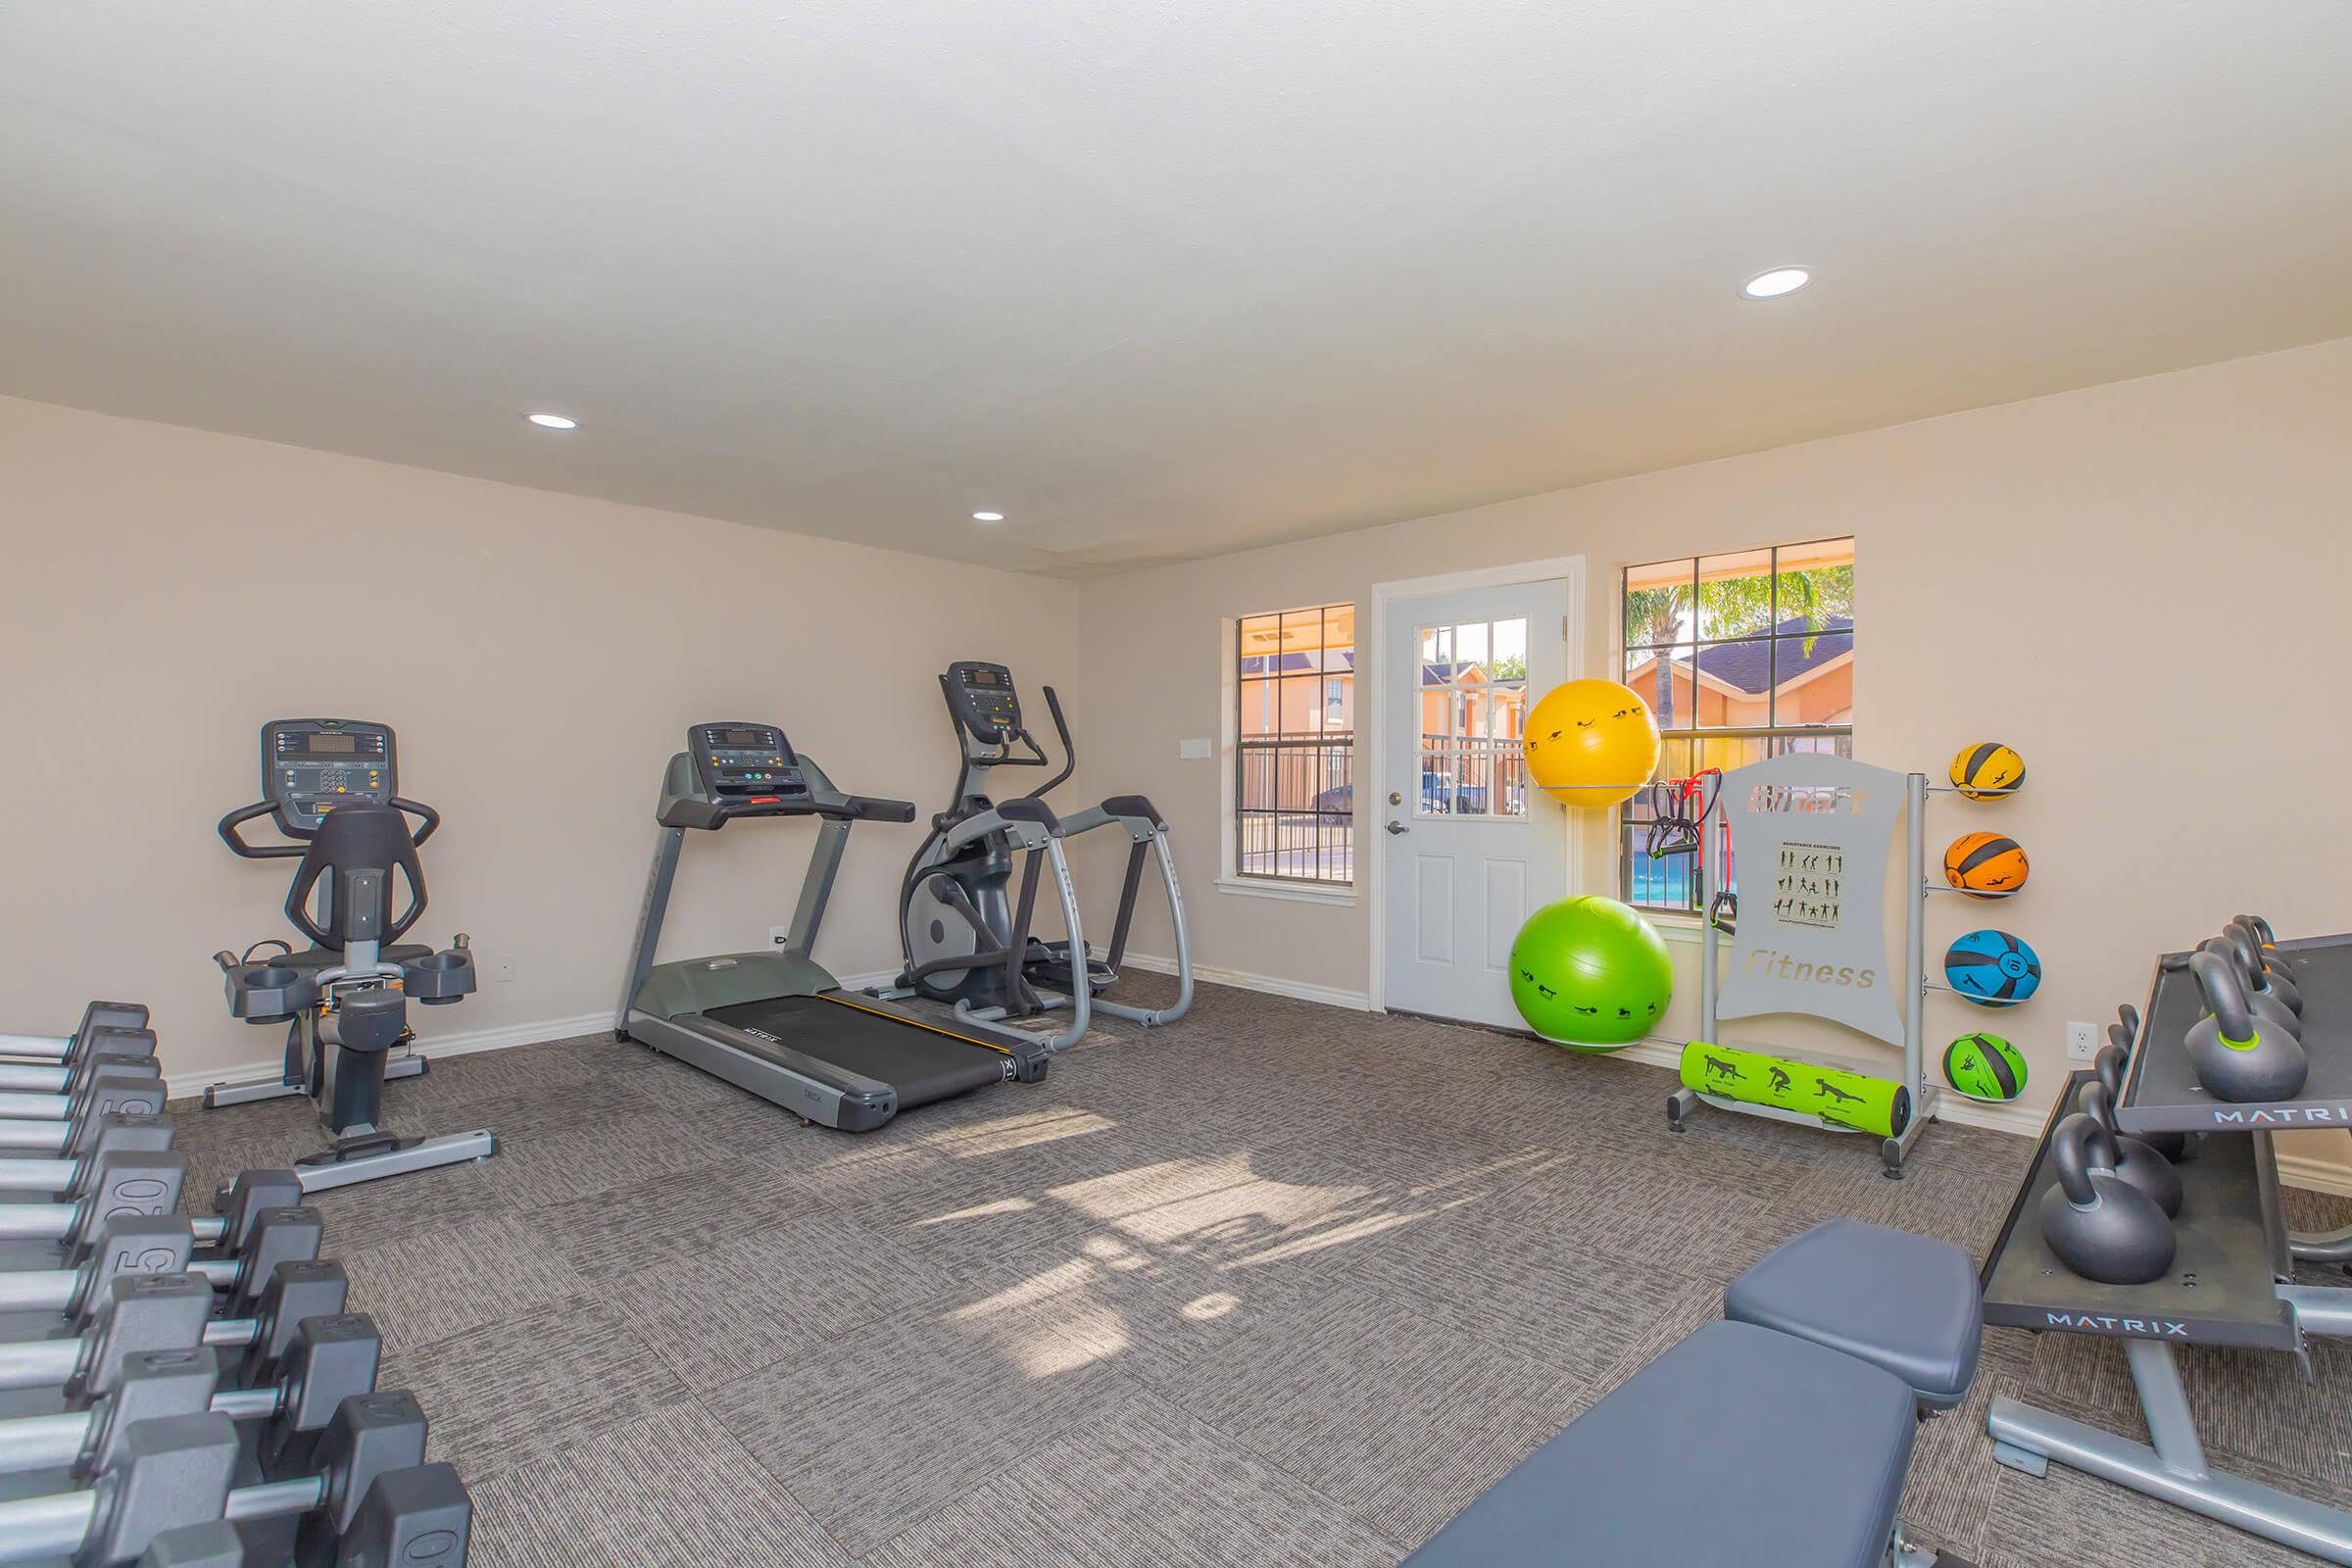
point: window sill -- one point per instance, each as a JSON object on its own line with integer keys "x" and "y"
{"x": 1682, "y": 928}
{"x": 1338, "y": 895}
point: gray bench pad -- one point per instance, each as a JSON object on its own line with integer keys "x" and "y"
{"x": 1906, "y": 1302}
{"x": 1738, "y": 1446}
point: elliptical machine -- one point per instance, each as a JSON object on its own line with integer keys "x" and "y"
{"x": 965, "y": 935}
{"x": 332, "y": 787}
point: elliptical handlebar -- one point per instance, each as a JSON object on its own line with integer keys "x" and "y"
{"x": 1070, "y": 752}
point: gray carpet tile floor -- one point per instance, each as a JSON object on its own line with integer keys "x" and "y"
{"x": 1279, "y": 1284}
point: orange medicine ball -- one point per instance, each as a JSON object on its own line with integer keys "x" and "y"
{"x": 1985, "y": 865}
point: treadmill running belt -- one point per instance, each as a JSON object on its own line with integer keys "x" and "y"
{"x": 922, "y": 1065}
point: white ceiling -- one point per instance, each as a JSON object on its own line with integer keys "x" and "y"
{"x": 1156, "y": 277}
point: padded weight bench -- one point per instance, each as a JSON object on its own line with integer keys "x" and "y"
{"x": 1778, "y": 1438}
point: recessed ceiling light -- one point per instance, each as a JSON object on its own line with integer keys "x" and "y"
{"x": 1772, "y": 284}
{"x": 552, "y": 421}
{"x": 988, "y": 517}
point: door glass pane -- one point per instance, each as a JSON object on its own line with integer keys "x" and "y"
{"x": 1473, "y": 713}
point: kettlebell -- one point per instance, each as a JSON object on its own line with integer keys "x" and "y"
{"x": 2237, "y": 1058}
{"x": 2109, "y": 1063}
{"x": 2135, "y": 1161}
{"x": 2268, "y": 1010}
{"x": 2101, "y": 1226}
{"x": 2268, "y": 970}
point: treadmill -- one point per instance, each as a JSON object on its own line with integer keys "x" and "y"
{"x": 776, "y": 1022}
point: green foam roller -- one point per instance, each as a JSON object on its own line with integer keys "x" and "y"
{"x": 1839, "y": 1099}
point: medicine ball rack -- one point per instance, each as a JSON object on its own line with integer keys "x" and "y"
{"x": 1814, "y": 817}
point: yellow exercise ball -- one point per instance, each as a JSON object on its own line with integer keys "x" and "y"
{"x": 1591, "y": 742}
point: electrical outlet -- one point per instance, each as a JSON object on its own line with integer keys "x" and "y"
{"x": 779, "y": 936}
{"x": 501, "y": 967}
{"x": 2082, "y": 1041}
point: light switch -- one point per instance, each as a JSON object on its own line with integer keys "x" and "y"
{"x": 1199, "y": 751}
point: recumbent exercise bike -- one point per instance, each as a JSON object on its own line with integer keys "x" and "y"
{"x": 331, "y": 786}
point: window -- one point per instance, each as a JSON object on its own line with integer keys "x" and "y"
{"x": 1294, "y": 751}
{"x": 1473, "y": 719}
{"x": 1743, "y": 657}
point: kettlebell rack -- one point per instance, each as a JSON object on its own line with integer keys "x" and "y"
{"x": 2232, "y": 1281}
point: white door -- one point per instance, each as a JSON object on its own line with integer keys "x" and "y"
{"x": 1467, "y": 848}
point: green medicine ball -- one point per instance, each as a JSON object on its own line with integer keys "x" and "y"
{"x": 1985, "y": 1068}
{"x": 1589, "y": 971}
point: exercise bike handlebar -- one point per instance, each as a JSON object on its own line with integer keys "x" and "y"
{"x": 228, "y": 826}
{"x": 228, "y": 829}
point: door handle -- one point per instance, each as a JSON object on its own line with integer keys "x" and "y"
{"x": 1399, "y": 828}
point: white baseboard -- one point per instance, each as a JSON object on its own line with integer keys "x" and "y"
{"x": 2317, "y": 1175}
{"x": 1272, "y": 985}
{"x": 463, "y": 1044}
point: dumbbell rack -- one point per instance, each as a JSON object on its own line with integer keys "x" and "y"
{"x": 2232, "y": 1282}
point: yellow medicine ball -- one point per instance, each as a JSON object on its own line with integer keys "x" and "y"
{"x": 1591, "y": 742}
{"x": 1988, "y": 770}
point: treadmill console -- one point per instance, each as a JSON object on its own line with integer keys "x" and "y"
{"x": 312, "y": 766}
{"x": 745, "y": 764}
{"x": 983, "y": 701}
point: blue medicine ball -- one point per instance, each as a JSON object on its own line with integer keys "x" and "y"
{"x": 1992, "y": 967}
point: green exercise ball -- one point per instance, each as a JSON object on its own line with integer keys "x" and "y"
{"x": 1589, "y": 971}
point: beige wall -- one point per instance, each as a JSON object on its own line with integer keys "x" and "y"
{"x": 163, "y": 592}
{"x": 2140, "y": 586}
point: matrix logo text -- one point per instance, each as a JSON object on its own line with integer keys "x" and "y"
{"x": 2157, "y": 1328}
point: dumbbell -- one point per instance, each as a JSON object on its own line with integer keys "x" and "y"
{"x": 371, "y": 1498}
{"x": 329, "y": 1359}
{"x": 63, "y": 1048}
{"x": 175, "y": 1313}
{"x": 127, "y": 1181}
{"x": 166, "y": 1244}
{"x": 74, "y": 1163}
{"x": 42, "y": 1122}
{"x": 121, "y": 1049}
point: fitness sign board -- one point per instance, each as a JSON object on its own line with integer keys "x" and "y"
{"x": 1810, "y": 837}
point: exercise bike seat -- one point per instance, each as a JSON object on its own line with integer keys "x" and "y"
{"x": 1738, "y": 1445}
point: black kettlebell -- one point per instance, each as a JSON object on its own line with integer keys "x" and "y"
{"x": 2267, "y": 1009}
{"x": 2134, "y": 1162}
{"x": 2109, "y": 1063}
{"x": 2237, "y": 1058}
{"x": 2101, "y": 1226}
{"x": 2268, "y": 972}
